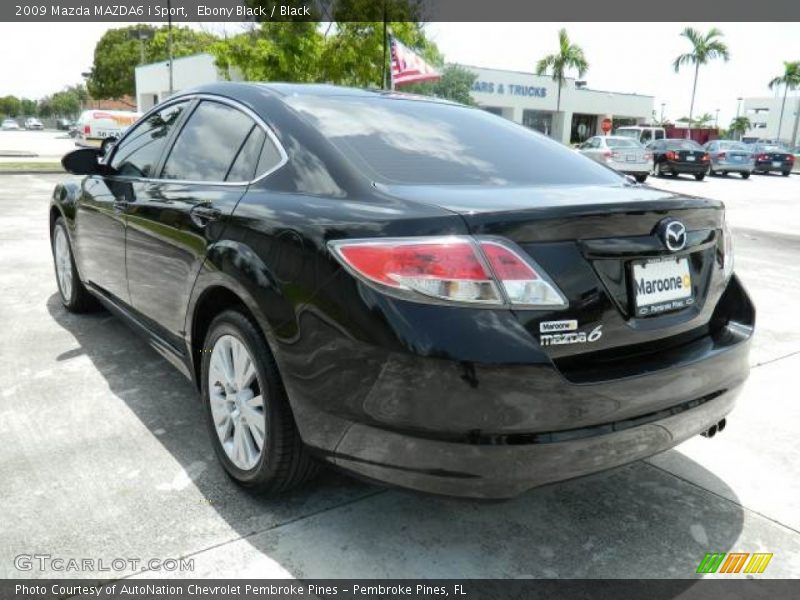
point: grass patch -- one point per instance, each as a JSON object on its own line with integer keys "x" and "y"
{"x": 19, "y": 167}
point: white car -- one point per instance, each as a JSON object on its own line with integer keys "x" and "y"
{"x": 622, "y": 154}
{"x": 33, "y": 123}
{"x": 9, "y": 125}
{"x": 101, "y": 127}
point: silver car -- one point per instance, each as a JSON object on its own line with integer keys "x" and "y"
{"x": 621, "y": 153}
{"x": 728, "y": 156}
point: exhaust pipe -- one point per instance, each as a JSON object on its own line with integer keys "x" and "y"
{"x": 714, "y": 429}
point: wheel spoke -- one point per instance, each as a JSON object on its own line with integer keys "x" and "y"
{"x": 253, "y": 412}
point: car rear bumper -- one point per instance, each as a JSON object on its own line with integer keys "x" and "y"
{"x": 631, "y": 168}
{"x": 686, "y": 167}
{"x": 733, "y": 167}
{"x": 769, "y": 167}
{"x": 494, "y": 429}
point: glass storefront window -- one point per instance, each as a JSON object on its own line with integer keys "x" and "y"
{"x": 539, "y": 120}
{"x": 583, "y": 127}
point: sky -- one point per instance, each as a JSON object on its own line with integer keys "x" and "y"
{"x": 623, "y": 57}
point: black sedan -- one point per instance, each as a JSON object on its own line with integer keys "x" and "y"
{"x": 771, "y": 157}
{"x": 676, "y": 156}
{"x": 415, "y": 291}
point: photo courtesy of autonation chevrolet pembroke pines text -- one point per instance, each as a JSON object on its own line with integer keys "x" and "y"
{"x": 366, "y": 299}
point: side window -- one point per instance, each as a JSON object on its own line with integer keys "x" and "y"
{"x": 207, "y": 145}
{"x": 270, "y": 157}
{"x": 659, "y": 134}
{"x": 138, "y": 153}
{"x": 647, "y": 135}
{"x": 244, "y": 166}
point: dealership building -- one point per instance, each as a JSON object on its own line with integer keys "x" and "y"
{"x": 525, "y": 98}
{"x": 532, "y": 101}
{"x": 765, "y": 114}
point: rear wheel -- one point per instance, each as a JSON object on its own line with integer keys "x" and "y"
{"x": 74, "y": 295}
{"x": 251, "y": 424}
{"x": 641, "y": 178}
{"x": 786, "y": 173}
{"x": 744, "y": 174}
{"x": 700, "y": 176}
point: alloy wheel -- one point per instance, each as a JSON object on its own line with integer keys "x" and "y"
{"x": 237, "y": 402}
{"x": 63, "y": 261}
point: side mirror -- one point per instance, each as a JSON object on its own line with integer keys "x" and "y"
{"x": 84, "y": 161}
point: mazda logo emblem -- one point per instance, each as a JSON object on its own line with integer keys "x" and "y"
{"x": 673, "y": 234}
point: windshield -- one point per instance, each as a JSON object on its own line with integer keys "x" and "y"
{"x": 682, "y": 145}
{"x": 630, "y": 133}
{"x": 407, "y": 141}
{"x": 622, "y": 143}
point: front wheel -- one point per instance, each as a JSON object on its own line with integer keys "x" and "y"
{"x": 74, "y": 295}
{"x": 641, "y": 178}
{"x": 251, "y": 424}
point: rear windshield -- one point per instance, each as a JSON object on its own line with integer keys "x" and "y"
{"x": 771, "y": 148}
{"x": 418, "y": 142}
{"x": 682, "y": 145}
{"x": 618, "y": 143}
{"x": 631, "y": 133}
{"x": 733, "y": 146}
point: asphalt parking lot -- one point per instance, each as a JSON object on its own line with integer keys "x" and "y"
{"x": 105, "y": 455}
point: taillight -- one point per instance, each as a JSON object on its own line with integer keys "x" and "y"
{"x": 705, "y": 157}
{"x": 721, "y": 156}
{"x": 670, "y": 155}
{"x": 727, "y": 250}
{"x": 607, "y": 154}
{"x": 456, "y": 269}
{"x": 648, "y": 156}
{"x": 87, "y": 129}
{"x": 790, "y": 158}
{"x": 763, "y": 157}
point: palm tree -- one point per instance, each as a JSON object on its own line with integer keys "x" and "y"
{"x": 705, "y": 47}
{"x": 739, "y": 126}
{"x": 789, "y": 80}
{"x": 569, "y": 56}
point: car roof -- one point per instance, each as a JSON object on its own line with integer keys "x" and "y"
{"x": 281, "y": 90}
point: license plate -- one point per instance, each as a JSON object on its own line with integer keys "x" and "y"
{"x": 662, "y": 285}
{"x": 736, "y": 158}
{"x": 777, "y": 163}
{"x": 690, "y": 158}
{"x": 631, "y": 158}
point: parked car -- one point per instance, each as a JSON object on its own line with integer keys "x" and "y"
{"x": 32, "y": 123}
{"x": 727, "y": 156}
{"x": 644, "y": 134}
{"x": 101, "y": 128}
{"x": 410, "y": 289}
{"x": 771, "y": 157}
{"x": 64, "y": 124}
{"x": 623, "y": 154}
{"x": 9, "y": 125}
{"x": 676, "y": 156}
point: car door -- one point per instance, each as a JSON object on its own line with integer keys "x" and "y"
{"x": 100, "y": 221}
{"x": 592, "y": 148}
{"x": 177, "y": 214}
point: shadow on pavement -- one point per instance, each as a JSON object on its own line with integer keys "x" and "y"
{"x": 635, "y": 521}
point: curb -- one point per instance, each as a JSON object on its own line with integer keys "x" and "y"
{"x": 32, "y": 172}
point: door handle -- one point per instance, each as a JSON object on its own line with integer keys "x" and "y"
{"x": 202, "y": 215}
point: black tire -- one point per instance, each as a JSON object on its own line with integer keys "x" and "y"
{"x": 673, "y": 174}
{"x": 641, "y": 178}
{"x": 745, "y": 175}
{"x": 106, "y": 144}
{"x": 285, "y": 462}
{"x": 78, "y": 300}
{"x": 700, "y": 176}
{"x": 786, "y": 173}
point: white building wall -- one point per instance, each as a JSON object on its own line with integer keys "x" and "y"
{"x": 152, "y": 81}
{"x": 513, "y": 92}
{"x": 764, "y": 114}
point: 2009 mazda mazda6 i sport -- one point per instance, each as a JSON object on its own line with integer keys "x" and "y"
{"x": 418, "y": 292}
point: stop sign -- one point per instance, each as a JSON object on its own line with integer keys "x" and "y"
{"x": 606, "y": 125}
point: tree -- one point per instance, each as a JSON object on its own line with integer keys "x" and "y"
{"x": 739, "y": 126}
{"x": 705, "y": 47}
{"x": 119, "y": 51}
{"x": 790, "y": 80}
{"x": 701, "y": 121}
{"x": 455, "y": 84}
{"x": 10, "y": 106}
{"x": 569, "y": 56}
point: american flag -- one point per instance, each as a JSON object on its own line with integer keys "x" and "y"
{"x": 408, "y": 66}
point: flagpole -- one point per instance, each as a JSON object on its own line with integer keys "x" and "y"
{"x": 385, "y": 36}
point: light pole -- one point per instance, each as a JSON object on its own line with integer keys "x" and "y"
{"x": 663, "y": 104}
{"x": 716, "y": 119}
{"x": 738, "y": 109}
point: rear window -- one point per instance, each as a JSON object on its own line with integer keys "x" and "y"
{"x": 682, "y": 145}
{"x": 618, "y": 143}
{"x": 771, "y": 148}
{"x": 630, "y": 133}
{"x": 418, "y": 142}
{"x": 733, "y": 146}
